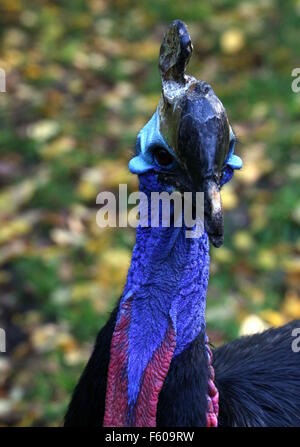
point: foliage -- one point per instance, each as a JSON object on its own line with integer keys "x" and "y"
{"x": 82, "y": 79}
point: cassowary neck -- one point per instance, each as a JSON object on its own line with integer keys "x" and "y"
{"x": 168, "y": 277}
{"x": 162, "y": 311}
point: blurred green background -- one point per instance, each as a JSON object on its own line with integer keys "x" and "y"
{"x": 82, "y": 79}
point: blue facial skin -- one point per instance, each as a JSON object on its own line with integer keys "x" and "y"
{"x": 169, "y": 273}
{"x": 148, "y": 138}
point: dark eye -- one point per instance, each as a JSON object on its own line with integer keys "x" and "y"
{"x": 162, "y": 156}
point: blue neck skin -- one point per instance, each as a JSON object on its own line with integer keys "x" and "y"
{"x": 168, "y": 280}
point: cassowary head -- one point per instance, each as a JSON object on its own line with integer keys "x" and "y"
{"x": 188, "y": 142}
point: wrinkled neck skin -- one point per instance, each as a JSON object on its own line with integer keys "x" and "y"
{"x": 168, "y": 278}
{"x": 166, "y": 287}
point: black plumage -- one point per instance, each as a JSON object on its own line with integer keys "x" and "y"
{"x": 258, "y": 378}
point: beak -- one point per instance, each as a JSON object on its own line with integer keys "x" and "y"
{"x": 213, "y": 214}
{"x": 203, "y": 142}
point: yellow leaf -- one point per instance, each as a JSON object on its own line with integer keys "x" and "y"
{"x": 66, "y": 342}
{"x": 232, "y": 41}
{"x": 43, "y": 337}
{"x": 85, "y": 291}
{"x": 223, "y": 255}
{"x": 291, "y": 305}
{"x": 255, "y": 294}
{"x": 43, "y": 130}
{"x": 258, "y": 216}
{"x": 17, "y": 227}
{"x": 74, "y": 357}
{"x": 267, "y": 259}
{"x": 114, "y": 267}
{"x": 87, "y": 191}
{"x": 252, "y": 324}
{"x": 242, "y": 240}
{"x": 273, "y": 318}
{"x": 256, "y": 164}
{"x": 229, "y": 197}
{"x": 58, "y": 147}
{"x": 145, "y": 50}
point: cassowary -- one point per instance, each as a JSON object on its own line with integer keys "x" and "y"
{"x": 152, "y": 364}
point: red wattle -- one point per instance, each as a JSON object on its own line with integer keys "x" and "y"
{"x": 153, "y": 379}
{"x": 143, "y": 414}
{"x": 213, "y": 394}
{"x": 116, "y": 402}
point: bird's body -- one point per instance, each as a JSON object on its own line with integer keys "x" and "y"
{"x": 151, "y": 364}
{"x": 257, "y": 378}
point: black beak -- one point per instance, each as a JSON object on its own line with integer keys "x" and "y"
{"x": 203, "y": 142}
{"x": 213, "y": 214}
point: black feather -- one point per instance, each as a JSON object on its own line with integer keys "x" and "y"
{"x": 182, "y": 400}
{"x": 88, "y": 402}
{"x": 258, "y": 378}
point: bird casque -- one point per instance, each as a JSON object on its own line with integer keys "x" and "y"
{"x": 152, "y": 364}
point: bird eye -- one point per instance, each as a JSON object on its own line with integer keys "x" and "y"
{"x": 162, "y": 156}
